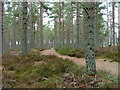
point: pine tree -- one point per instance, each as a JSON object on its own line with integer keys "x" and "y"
{"x": 78, "y": 25}
{"x": 24, "y": 28}
{"x": 89, "y": 25}
{"x": 55, "y": 32}
{"x": 41, "y": 25}
{"x": 14, "y": 27}
{"x": 32, "y": 36}
{"x": 1, "y": 26}
{"x": 119, "y": 29}
{"x": 60, "y": 30}
{"x": 63, "y": 25}
{"x": 113, "y": 22}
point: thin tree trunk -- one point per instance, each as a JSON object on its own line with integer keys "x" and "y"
{"x": 71, "y": 19}
{"x": 68, "y": 28}
{"x": 119, "y": 30}
{"x": 60, "y": 31}
{"x": 19, "y": 25}
{"x": 32, "y": 37}
{"x": 55, "y": 33}
{"x": 1, "y": 27}
{"x": 113, "y": 22}
{"x": 24, "y": 28}
{"x": 63, "y": 31}
{"x": 41, "y": 26}
{"x": 107, "y": 24}
{"x": 78, "y": 25}
{"x": 14, "y": 28}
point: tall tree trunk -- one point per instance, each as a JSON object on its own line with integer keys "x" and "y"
{"x": 113, "y": 22}
{"x": 1, "y": 27}
{"x": 19, "y": 25}
{"x": 78, "y": 25}
{"x": 111, "y": 32}
{"x": 14, "y": 28}
{"x": 119, "y": 30}
{"x": 24, "y": 28}
{"x": 71, "y": 25}
{"x": 55, "y": 32}
{"x": 90, "y": 56}
{"x": 60, "y": 30}
{"x": 32, "y": 37}
{"x": 63, "y": 26}
{"x": 68, "y": 28}
{"x": 108, "y": 30}
{"x": 38, "y": 34}
{"x": 41, "y": 26}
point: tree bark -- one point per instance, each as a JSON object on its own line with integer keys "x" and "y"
{"x": 119, "y": 30}
{"x": 24, "y": 28}
{"x": 78, "y": 26}
{"x": 63, "y": 31}
{"x": 1, "y": 27}
{"x": 41, "y": 26}
{"x": 71, "y": 25}
{"x": 32, "y": 37}
{"x": 113, "y": 22}
{"x": 60, "y": 30}
{"x": 90, "y": 56}
{"x": 55, "y": 32}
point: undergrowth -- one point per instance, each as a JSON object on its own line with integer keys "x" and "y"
{"x": 109, "y": 53}
{"x": 38, "y": 71}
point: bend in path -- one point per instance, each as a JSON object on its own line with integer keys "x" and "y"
{"x": 110, "y": 67}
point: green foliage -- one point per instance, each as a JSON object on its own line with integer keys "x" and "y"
{"x": 112, "y": 56}
{"x": 71, "y": 52}
{"x": 50, "y": 35}
{"x": 109, "y": 53}
{"x": 64, "y": 51}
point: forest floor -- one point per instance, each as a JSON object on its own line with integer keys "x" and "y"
{"x": 48, "y": 69}
{"x": 101, "y": 65}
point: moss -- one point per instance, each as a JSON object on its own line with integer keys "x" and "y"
{"x": 112, "y": 56}
{"x": 108, "y": 53}
{"x": 64, "y": 51}
{"x": 20, "y": 72}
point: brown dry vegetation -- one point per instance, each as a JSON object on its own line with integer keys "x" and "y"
{"x": 38, "y": 71}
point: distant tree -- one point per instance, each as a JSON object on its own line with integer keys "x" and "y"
{"x": 24, "y": 28}
{"x": 107, "y": 26}
{"x": 1, "y": 26}
{"x": 71, "y": 24}
{"x": 59, "y": 23}
{"x": 68, "y": 26}
{"x": 113, "y": 22}
{"x": 41, "y": 25}
{"x": 55, "y": 32}
{"x": 14, "y": 27}
{"x": 63, "y": 25}
{"x": 119, "y": 29}
{"x": 19, "y": 24}
{"x": 78, "y": 25}
{"x": 32, "y": 36}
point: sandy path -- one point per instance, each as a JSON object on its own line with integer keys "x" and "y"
{"x": 110, "y": 67}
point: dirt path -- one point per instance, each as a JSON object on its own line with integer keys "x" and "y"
{"x": 110, "y": 67}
